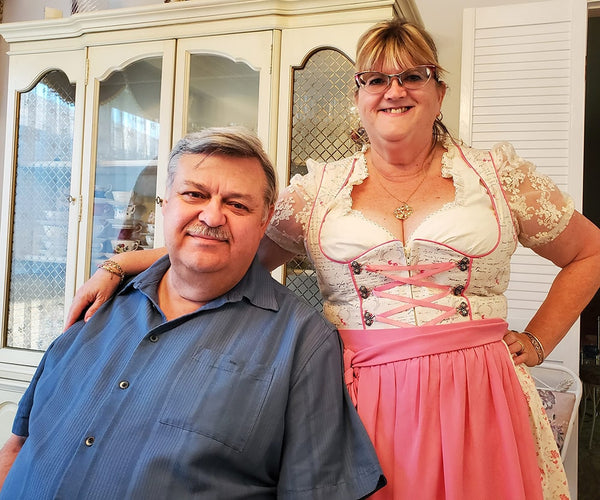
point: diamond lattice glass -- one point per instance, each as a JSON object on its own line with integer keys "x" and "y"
{"x": 41, "y": 212}
{"x": 323, "y": 122}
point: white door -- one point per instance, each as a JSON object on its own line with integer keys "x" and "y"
{"x": 316, "y": 116}
{"x": 523, "y": 81}
{"x": 225, "y": 80}
{"x": 298, "y": 46}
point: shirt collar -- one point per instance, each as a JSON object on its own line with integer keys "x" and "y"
{"x": 256, "y": 286}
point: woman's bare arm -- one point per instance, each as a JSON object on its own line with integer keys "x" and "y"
{"x": 272, "y": 255}
{"x": 577, "y": 252}
{"x": 102, "y": 284}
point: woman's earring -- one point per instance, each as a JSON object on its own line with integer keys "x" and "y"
{"x": 359, "y": 135}
{"x": 439, "y": 117}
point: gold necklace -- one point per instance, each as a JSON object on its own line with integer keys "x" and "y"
{"x": 404, "y": 210}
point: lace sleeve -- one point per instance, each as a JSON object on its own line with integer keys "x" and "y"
{"x": 292, "y": 211}
{"x": 540, "y": 210}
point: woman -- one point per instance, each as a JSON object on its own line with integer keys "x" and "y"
{"x": 411, "y": 239}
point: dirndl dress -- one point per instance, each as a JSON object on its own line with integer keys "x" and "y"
{"x": 422, "y": 323}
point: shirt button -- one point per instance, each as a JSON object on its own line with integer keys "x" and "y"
{"x": 153, "y": 338}
{"x": 89, "y": 441}
{"x": 123, "y": 384}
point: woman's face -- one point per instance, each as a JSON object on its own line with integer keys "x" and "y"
{"x": 398, "y": 114}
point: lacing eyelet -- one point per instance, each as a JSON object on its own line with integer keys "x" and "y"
{"x": 356, "y": 267}
{"x": 368, "y": 318}
{"x": 463, "y": 264}
{"x": 463, "y": 309}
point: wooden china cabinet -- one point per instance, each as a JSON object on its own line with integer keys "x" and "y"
{"x": 95, "y": 102}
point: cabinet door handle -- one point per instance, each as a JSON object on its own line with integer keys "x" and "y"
{"x": 71, "y": 199}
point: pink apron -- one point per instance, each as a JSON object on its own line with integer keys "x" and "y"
{"x": 445, "y": 411}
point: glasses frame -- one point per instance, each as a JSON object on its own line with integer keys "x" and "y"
{"x": 432, "y": 70}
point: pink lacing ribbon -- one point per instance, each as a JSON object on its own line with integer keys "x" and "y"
{"x": 420, "y": 273}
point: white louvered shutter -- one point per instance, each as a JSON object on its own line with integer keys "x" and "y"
{"x": 523, "y": 69}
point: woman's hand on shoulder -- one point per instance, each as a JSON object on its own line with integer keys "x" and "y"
{"x": 91, "y": 295}
{"x": 104, "y": 282}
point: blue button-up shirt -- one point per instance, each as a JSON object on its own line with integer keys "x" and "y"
{"x": 242, "y": 399}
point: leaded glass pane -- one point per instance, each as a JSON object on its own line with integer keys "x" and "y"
{"x": 41, "y": 212}
{"x": 126, "y": 159}
{"x": 323, "y": 122}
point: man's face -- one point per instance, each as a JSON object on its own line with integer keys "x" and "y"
{"x": 214, "y": 215}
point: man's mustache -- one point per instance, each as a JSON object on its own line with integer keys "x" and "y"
{"x": 218, "y": 233}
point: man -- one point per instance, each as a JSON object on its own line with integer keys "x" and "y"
{"x": 203, "y": 377}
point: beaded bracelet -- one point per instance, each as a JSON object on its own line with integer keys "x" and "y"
{"x": 113, "y": 267}
{"x": 537, "y": 345}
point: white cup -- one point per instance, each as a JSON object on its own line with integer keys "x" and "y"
{"x": 120, "y": 246}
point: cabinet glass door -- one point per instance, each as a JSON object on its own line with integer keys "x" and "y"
{"x": 224, "y": 80}
{"x": 324, "y": 124}
{"x": 126, "y": 159}
{"x": 42, "y": 201}
{"x": 41, "y": 212}
{"x": 221, "y": 92}
{"x": 127, "y": 151}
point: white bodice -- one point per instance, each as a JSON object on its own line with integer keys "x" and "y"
{"x": 455, "y": 266}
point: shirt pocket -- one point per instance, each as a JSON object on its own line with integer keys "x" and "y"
{"x": 218, "y": 396}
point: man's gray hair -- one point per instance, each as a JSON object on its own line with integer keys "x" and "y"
{"x": 236, "y": 142}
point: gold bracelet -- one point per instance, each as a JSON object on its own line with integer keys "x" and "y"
{"x": 537, "y": 345}
{"x": 113, "y": 267}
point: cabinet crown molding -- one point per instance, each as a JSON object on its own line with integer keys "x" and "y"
{"x": 257, "y": 14}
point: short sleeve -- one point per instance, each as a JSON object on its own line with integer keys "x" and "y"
{"x": 540, "y": 210}
{"x": 327, "y": 452}
{"x": 53, "y": 354}
{"x": 293, "y": 208}
{"x": 20, "y": 425}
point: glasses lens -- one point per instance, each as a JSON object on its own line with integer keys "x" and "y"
{"x": 415, "y": 78}
{"x": 373, "y": 81}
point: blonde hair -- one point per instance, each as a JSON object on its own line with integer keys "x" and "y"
{"x": 396, "y": 43}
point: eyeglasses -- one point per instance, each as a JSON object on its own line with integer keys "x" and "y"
{"x": 375, "y": 82}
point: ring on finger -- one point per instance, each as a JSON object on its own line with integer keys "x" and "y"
{"x": 522, "y": 350}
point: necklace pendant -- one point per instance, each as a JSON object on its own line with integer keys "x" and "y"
{"x": 403, "y": 212}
